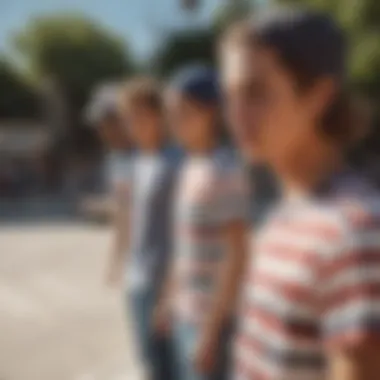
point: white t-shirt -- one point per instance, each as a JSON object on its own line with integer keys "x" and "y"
{"x": 117, "y": 170}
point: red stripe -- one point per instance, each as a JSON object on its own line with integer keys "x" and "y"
{"x": 354, "y": 339}
{"x": 249, "y": 343}
{"x": 351, "y": 260}
{"x": 297, "y": 331}
{"x": 327, "y": 230}
{"x": 368, "y": 292}
{"x": 285, "y": 251}
{"x": 290, "y": 291}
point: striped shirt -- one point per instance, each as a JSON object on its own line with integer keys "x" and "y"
{"x": 212, "y": 192}
{"x": 313, "y": 282}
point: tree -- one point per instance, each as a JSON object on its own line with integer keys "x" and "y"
{"x": 231, "y": 12}
{"x": 183, "y": 48}
{"x": 360, "y": 19}
{"x": 17, "y": 97}
{"x": 188, "y": 46}
{"x": 76, "y": 54}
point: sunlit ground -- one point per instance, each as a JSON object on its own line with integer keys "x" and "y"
{"x": 57, "y": 319}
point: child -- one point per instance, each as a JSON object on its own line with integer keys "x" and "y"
{"x": 152, "y": 176}
{"x": 311, "y": 300}
{"x": 102, "y": 113}
{"x": 210, "y": 227}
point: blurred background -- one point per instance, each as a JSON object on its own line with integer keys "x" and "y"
{"x": 57, "y": 320}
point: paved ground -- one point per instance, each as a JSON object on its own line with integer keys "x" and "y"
{"x": 57, "y": 319}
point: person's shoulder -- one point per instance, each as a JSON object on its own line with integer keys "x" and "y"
{"x": 361, "y": 213}
{"x": 356, "y": 200}
{"x": 355, "y": 211}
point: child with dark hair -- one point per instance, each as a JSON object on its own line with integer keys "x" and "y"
{"x": 210, "y": 231}
{"x": 311, "y": 299}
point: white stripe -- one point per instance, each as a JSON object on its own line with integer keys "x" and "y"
{"x": 292, "y": 239}
{"x": 257, "y": 363}
{"x": 354, "y": 311}
{"x": 279, "y": 304}
{"x": 285, "y": 270}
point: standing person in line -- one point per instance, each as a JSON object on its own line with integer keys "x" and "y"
{"x": 311, "y": 299}
{"x": 153, "y": 173}
{"x": 210, "y": 231}
{"x": 102, "y": 113}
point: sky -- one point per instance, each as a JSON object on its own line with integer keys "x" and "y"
{"x": 135, "y": 20}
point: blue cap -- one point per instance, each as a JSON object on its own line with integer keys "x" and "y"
{"x": 198, "y": 82}
{"x": 103, "y": 104}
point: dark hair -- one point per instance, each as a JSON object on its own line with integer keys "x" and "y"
{"x": 343, "y": 122}
{"x": 142, "y": 91}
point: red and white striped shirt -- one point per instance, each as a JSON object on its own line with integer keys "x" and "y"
{"x": 212, "y": 193}
{"x": 313, "y": 282}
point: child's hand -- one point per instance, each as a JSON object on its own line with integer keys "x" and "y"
{"x": 206, "y": 353}
{"x": 114, "y": 276}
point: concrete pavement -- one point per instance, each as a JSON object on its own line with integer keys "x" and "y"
{"x": 57, "y": 319}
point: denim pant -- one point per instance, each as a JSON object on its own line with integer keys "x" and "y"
{"x": 156, "y": 351}
{"x": 186, "y": 337}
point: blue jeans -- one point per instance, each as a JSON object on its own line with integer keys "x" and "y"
{"x": 156, "y": 351}
{"x": 185, "y": 343}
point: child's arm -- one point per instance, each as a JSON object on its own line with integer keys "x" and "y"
{"x": 120, "y": 235}
{"x": 349, "y": 284}
{"x": 226, "y": 294}
{"x": 162, "y": 313}
{"x": 229, "y": 276}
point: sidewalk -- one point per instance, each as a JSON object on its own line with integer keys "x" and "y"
{"x": 57, "y": 319}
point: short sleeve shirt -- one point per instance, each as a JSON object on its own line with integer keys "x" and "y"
{"x": 151, "y": 194}
{"x": 212, "y": 192}
{"x": 313, "y": 282}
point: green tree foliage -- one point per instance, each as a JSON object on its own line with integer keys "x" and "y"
{"x": 73, "y": 49}
{"x": 77, "y": 54}
{"x": 17, "y": 97}
{"x": 361, "y": 20}
{"x": 232, "y": 11}
{"x": 186, "y": 47}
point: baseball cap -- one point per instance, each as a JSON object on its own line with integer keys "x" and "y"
{"x": 198, "y": 82}
{"x": 310, "y": 39}
{"x": 103, "y": 104}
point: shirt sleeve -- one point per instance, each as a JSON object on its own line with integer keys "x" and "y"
{"x": 232, "y": 200}
{"x": 350, "y": 298}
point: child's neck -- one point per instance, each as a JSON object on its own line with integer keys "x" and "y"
{"x": 302, "y": 177}
{"x": 203, "y": 147}
{"x": 151, "y": 147}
